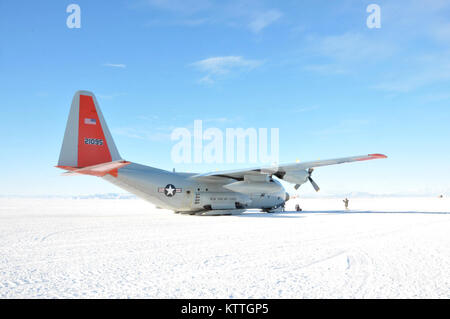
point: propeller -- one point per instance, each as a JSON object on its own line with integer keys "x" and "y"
{"x": 313, "y": 183}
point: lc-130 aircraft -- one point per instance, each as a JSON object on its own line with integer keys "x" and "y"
{"x": 88, "y": 148}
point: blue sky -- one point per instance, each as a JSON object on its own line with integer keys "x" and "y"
{"x": 310, "y": 68}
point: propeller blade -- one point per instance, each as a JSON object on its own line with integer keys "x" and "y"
{"x": 313, "y": 183}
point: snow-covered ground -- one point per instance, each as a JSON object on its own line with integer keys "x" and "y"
{"x": 112, "y": 248}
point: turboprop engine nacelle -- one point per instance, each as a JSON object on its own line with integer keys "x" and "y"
{"x": 255, "y": 184}
{"x": 296, "y": 177}
{"x": 250, "y": 188}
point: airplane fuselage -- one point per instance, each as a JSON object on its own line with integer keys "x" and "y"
{"x": 180, "y": 193}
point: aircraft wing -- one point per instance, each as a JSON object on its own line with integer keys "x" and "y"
{"x": 283, "y": 168}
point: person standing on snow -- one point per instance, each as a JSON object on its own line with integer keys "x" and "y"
{"x": 346, "y": 202}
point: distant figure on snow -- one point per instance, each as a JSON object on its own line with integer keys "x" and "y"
{"x": 346, "y": 202}
{"x": 441, "y": 196}
{"x": 297, "y": 208}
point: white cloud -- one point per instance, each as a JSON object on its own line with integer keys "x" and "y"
{"x": 391, "y": 66}
{"x": 346, "y": 53}
{"x": 222, "y": 65}
{"x": 352, "y": 47}
{"x": 252, "y": 15}
{"x": 441, "y": 33}
{"x": 264, "y": 19}
{"x": 206, "y": 80}
{"x": 418, "y": 19}
{"x": 113, "y": 65}
{"x": 422, "y": 70}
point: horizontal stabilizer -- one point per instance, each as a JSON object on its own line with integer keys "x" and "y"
{"x": 96, "y": 170}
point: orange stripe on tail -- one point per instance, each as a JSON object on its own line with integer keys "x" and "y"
{"x": 92, "y": 145}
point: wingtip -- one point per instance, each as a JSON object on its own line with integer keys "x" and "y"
{"x": 376, "y": 155}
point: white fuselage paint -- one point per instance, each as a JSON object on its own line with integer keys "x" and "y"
{"x": 191, "y": 195}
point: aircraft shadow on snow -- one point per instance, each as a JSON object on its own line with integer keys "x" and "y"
{"x": 343, "y": 212}
{"x": 295, "y": 214}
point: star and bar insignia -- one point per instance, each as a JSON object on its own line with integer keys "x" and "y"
{"x": 169, "y": 190}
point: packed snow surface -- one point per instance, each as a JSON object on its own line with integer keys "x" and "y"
{"x": 126, "y": 248}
